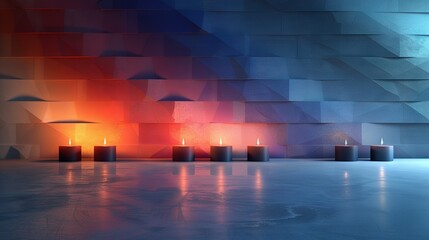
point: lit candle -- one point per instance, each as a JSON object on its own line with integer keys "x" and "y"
{"x": 257, "y": 153}
{"x": 381, "y": 152}
{"x": 346, "y": 152}
{"x": 105, "y": 153}
{"x": 183, "y": 153}
{"x": 69, "y": 153}
{"x": 221, "y": 153}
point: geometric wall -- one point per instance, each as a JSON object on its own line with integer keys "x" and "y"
{"x": 301, "y": 75}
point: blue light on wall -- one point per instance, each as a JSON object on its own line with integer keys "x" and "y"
{"x": 317, "y": 71}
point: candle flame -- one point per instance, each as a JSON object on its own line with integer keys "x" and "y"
{"x": 345, "y": 142}
{"x": 183, "y": 141}
{"x": 381, "y": 141}
{"x": 220, "y": 141}
{"x": 69, "y": 141}
{"x": 257, "y": 141}
{"x": 105, "y": 142}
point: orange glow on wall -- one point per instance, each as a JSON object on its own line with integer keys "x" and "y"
{"x": 60, "y": 84}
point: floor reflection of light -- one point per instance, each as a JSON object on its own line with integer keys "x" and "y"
{"x": 382, "y": 185}
{"x": 70, "y": 177}
{"x": 182, "y": 208}
{"x": 221, "y": 181}
{"x": 221, "y": 191}
{"x": 258, "y": 182}
{"x": 104, "y": 173}
{"x": 71, "y": 172}
{"x": 183, "y": 180}
{"x": 346, "y": 182}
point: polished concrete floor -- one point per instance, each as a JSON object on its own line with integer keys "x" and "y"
{"x": 281, "y": 199}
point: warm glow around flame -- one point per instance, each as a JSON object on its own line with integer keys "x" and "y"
{"x": 257, "y": 141}
{"x": 183, "y": 141}
{"x": 105, "y": 142}
{"x": 381, "y": 141}
{"x": 220, "y": 141}
{"x": 69, "y": 141}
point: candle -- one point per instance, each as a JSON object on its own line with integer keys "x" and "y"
{"x": 69, "y": 153}
{"x": 183, "y": 153}
{"x": 257, "y": 153}
{"x": 381, "y": 152}
{"x": 221, "y": 153}
{"x": 105, "y": 153}
{"x": 346, "y": 152}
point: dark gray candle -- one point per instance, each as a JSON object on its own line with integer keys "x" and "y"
{"x": 346, "y": 153}
{"x": 70, "y": 153}
{"x": 183, "y": 153}
{"x": 381, "y": 153}
{"x": 221, "y": 153}
{"x": 105, "y": 153}
{"x": 257, "y": 153}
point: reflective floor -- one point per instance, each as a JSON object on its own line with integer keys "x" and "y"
{"x": 281, "y": 199}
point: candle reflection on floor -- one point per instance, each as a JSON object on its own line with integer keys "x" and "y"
{"x": 147, "y": 200}
{"x": 382, "y": 184}
{"x": 105, "y": 171}
{"x": 346, "y": 181}
{"x": 181, "y": 211}
{"x": 221, "y": 208}
{"x": 72, "y": 171}
{"x": 258, "y": 181}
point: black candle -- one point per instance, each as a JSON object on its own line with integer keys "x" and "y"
{"x": 183, "y": 153}
{"x": 221, "y": 153}
{"x": 381, "y": 152}
{"x": 69, "y": 153}
{"x": 105, "y": 153}
{"x": 346, "y": 152}
{"x": 257, "y": 153}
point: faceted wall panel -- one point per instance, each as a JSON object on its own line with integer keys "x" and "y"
{"x": 301, "y": 75}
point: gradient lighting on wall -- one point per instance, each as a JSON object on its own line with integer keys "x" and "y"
{"x": 302, "y": 75}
